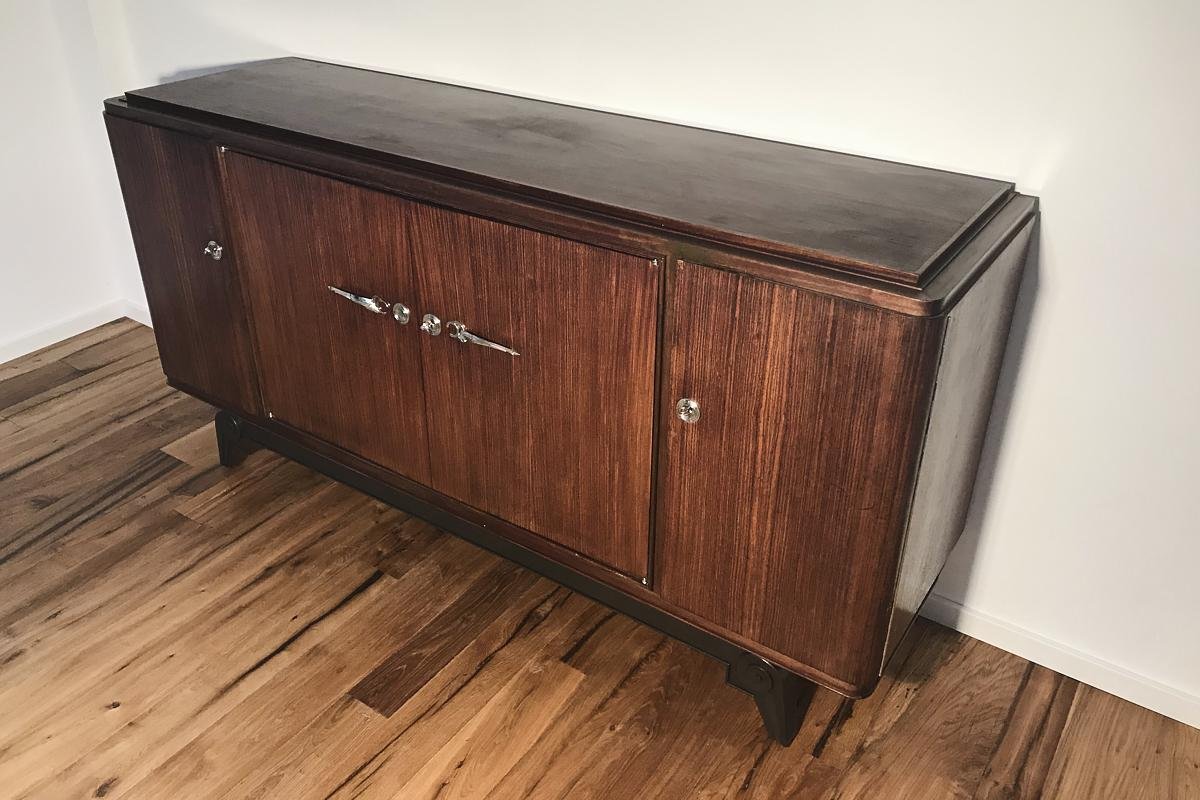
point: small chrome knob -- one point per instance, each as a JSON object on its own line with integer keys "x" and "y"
{"x": 214, "y": 250}
{"x": 688, "y": 410}
{"x": 431, "y": 325}
{"x": 401, "y": 313}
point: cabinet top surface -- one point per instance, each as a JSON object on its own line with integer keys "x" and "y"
{"x": 860, "y": 215}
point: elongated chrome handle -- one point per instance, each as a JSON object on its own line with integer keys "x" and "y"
{"x": 376, "y": 304}
{"x": 459, "y": 331}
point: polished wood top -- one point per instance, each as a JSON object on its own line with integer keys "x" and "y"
{"x": 860, "y": 215}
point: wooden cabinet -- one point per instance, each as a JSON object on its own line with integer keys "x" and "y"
{"x": 557, "y": 440}
{"x": 173, "y": 202}
{"x": 733, "y": 388}
{"x": 781, "y": 501}
{"x": 328, "y": 366}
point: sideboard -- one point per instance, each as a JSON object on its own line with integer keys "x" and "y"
{"x": 734, "y": 388}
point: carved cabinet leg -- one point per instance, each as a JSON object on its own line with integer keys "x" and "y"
{"x": 782, "y": 696}
{"x": 231, "y": 449}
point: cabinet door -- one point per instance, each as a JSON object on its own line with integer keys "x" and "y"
{"x": 783, "y": 505}
{"x": 557, "y": 439}
{"x": 172, "y": 198}
{"x": 329, "y": 366}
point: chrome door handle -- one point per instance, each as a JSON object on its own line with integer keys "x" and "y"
{"x": 459, "y": 331}
{"x": 374, "y": 304}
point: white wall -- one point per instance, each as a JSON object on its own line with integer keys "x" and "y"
{"x": 1083, "y": 540}
{"x": 63, "y": 241}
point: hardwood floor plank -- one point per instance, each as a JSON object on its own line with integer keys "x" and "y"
{"x": 479, "y": 755}
{"x": 1114, "y": 749}
{"x": 836, "y": 730}
{"x": 182, "y": 568}
{"x": 606, "y": 652}
{"x": 395, "y": 681}
{"x": 89, "y": 386}
{"x": 60, "y": 350}
{"x": 28, "y": 497}
{"x": 111, "y": 350}
{"x": 341, "y": 752}
{"x": 20, "y": 388}
{"x": 1021, "y": 762}
{"x": 138, "y": 633}
{"x": 171, "y": 628}
{"x": 197, "y": 449}
{"x": 274, "y": 619}
{"x": 242, "y": 742}
{"x": 56, "y": 430}
{"x": 940, "y": 745}
{"x": 423, "y": 726}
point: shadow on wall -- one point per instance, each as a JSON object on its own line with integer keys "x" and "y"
{"x": 196, "y": 72}
{"x": 955, "y": 580}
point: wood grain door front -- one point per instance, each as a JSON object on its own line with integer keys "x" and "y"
{"x": 558, "y": 439}
{"x": 169, "y": 181}
{"x": 783, "y": 505}
{"x": 329, "y": 366}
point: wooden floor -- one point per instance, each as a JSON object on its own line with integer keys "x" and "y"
{"x": 173, "y": 629}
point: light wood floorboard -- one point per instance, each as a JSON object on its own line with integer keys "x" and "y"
{"x": 173, "y": 629}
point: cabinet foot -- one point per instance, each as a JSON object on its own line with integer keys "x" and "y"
{"x": 782, "y": 696}
{"x": 231, "y": 444}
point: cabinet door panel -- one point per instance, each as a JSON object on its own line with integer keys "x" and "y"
{"x": 330, "y": 367}
{"x": 558, "y": 439}
{"x": 169, "y": 181}
{"x": 783, "y": 506}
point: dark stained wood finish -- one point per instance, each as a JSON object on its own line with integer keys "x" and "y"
{"x": 557, "y": 440}
{"x": 328, "y": 366}
{"x": 860, "y": 215}
{"x": 174, "y": 208}
{"x": 510, "y": 205}
{"x": 783, "y": 507}
{"x": 969, "y": 365}
{"x": 791, "y": 521}
{"x": 199, "y": 634}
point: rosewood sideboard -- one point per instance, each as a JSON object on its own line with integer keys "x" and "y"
{"x": 734, "y": 388}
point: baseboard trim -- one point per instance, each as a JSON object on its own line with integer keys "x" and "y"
{"x": 1081, "y": 666}
{"x": 64, "y": 329}
{"x": 138, "y": 313}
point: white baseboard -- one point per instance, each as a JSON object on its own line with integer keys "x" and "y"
{"x": 64, "y": 329}
{"x": 1082, "y": 667}
{"x": 138, "y": 313}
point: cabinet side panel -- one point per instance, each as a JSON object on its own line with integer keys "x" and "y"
{"x": 171, "y": 196}
{"x": 972, "y": 352}
{"x": 783, "y": 506}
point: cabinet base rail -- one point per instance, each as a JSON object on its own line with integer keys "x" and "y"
{"x": 782, "y": 696}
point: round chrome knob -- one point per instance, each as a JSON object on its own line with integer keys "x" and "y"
{"x": 214, "y": 250}
{"x": 401, "y": 313}
{"x": 688, "y": 410}
{"x": 431, "y": 325}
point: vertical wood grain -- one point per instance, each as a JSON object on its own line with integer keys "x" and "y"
{"x": 172, "y": 198}
{"x": 783, "y": 507}
{"x": 330, "y": 367}
{"x": 558, "y": 439}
